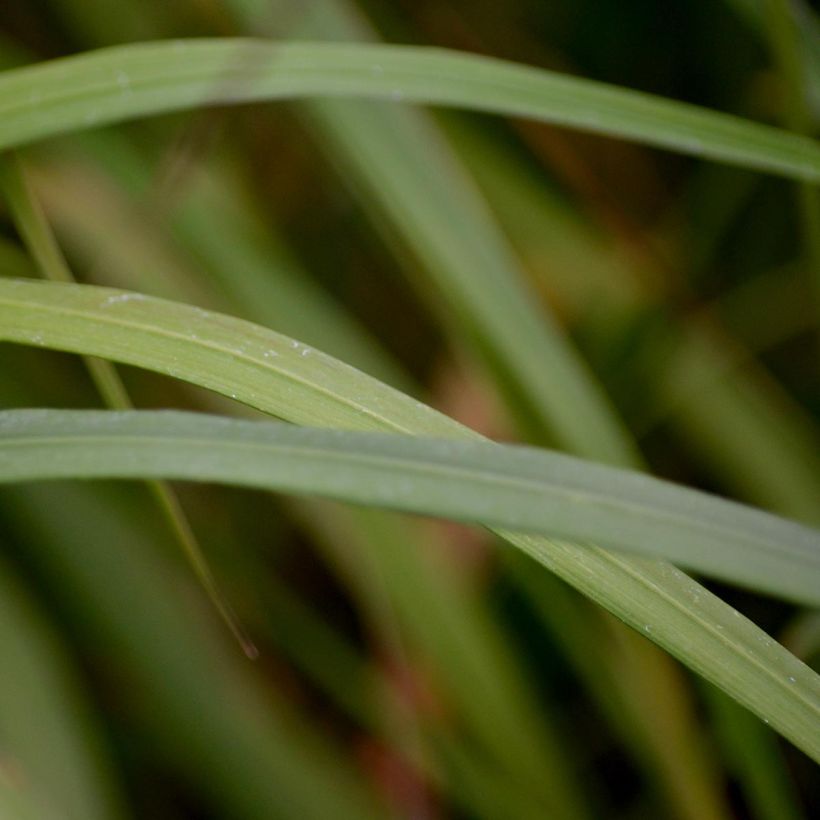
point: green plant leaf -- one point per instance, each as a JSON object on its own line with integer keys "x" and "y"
{"x": 287, "y": 379}
{"x": 478, "y": 482}
{"x": 125, "y": 82}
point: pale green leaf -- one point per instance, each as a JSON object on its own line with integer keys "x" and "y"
{"x": 125, "y": 82}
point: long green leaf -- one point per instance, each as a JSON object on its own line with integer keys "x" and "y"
{"x": 125, "y": 82}
{"x": 478, "y": 482}
{"x": 284, "y": 378}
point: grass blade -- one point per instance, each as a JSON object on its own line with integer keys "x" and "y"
{"x": 125, "y": 82}
{"x": 791, "y": 63}
{"x": 477, "y": 482}
{"x": 284, "y": 378}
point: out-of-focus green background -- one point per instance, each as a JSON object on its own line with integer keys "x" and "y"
{"x": 408, "y": 668}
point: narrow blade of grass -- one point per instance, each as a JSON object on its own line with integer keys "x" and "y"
{"x": 125, "y": 82}
{"x": 477, "y": 482}
{"x": 726, "y": 407}
{"x": 754, "y": 13}
{"x": 791, "y": 62}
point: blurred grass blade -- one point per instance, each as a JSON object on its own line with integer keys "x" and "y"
{"x": 284, "y": 378}
{"x": 752, "y": 434}
{"x": 755, "y": 759}
{"x": 126, "y": 82}
{"x": 476, "y": 482}
{"x": 416, "y": 189}
{"x": 754, "y": 13}
{"x": 50, "y": 741}
{"x": 395, "y": 571}
{"x": 791, "y": 64}
{"x": 195, "y": 708}
{"x": 33, "y": 226}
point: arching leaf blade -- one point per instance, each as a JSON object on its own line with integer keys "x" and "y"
{"x": 127, "y": 82}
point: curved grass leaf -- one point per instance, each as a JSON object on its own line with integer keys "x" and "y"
{"x": 284, "y": 378}
{"x": 125, "y": 82}
{"x": 477, "y": 482}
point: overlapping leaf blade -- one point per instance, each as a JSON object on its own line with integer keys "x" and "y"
{"x": 125, "y": 82}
